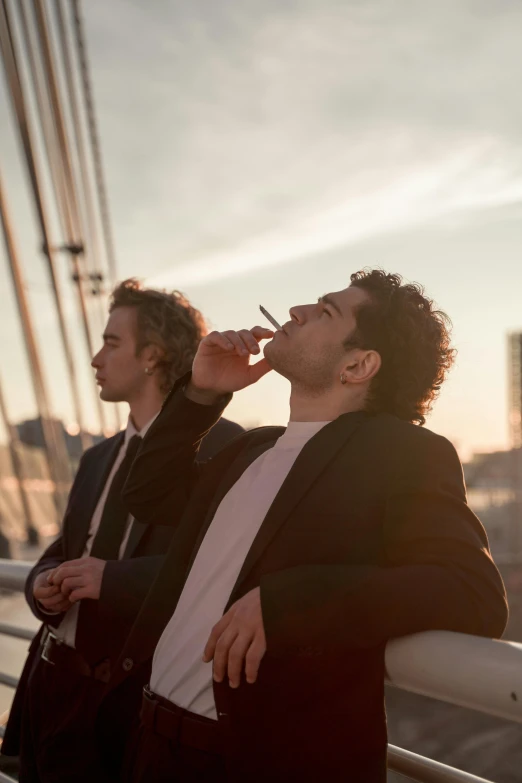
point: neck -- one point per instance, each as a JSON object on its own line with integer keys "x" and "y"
{"x": 323, "y": 407}
{"x": 145, "y": 406}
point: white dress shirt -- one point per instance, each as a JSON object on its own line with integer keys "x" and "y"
{"x": 66, "y": 631}
{"x": 178, "y": 672}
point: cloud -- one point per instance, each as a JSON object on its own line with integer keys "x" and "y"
{"x": 255, "y": 132}
{"x": 475, "y": 177}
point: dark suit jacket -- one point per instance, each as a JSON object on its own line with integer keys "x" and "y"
{"x": 369, "y": 538}
{"x": 125, "y": 582}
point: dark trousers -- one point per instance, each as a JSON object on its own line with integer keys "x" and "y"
{"x": 174, "y": 748}
{"x": 72, "y": 730}
{"x": 58, "y": 739}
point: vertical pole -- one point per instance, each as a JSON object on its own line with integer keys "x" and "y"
{"x": 57, "y": 458}
{"x": 14, "y": 446}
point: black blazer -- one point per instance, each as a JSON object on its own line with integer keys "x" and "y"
{"x": 125, "y": 582}
{"x": 369, "y": 538}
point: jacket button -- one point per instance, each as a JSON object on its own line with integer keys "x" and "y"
{"x": 127, "y": 664}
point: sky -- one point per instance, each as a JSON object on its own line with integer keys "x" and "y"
{"x": 259, "y": 152}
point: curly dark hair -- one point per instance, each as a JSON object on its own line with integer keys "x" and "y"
{"x": 166, "y": 320}
{"x": 412, "y": 338}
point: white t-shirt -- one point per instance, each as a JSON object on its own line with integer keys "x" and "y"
{"x": 178, "y": 672}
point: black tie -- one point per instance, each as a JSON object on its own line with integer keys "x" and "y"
{"x": 110, "y": 533}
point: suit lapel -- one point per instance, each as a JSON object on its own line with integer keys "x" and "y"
{"x": 236, "y": 470}
{"x": 315, "y": 457}
{"x": 137, "y": 532}
{"x": 93, "y": 489}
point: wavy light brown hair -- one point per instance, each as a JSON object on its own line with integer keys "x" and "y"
{"x": 166, "y": 320}
{"x": 412, "y": 338}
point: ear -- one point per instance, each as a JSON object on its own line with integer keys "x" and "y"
{"x": 361, "y": 367}
{"x": 151, "y": 355}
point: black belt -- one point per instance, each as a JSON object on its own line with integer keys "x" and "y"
{"x": 55, "y": 652}
{"x": 182, "y": 726}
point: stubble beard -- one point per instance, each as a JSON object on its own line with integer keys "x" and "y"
{"x": 308, "y": 377}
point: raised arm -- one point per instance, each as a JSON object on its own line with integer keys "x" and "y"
{"x": 165, "y": 470}
{"x": 436, "y": 572}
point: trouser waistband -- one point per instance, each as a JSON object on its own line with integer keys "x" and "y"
{"x": 182, "y": 726}
{"x": 55, "y": 652}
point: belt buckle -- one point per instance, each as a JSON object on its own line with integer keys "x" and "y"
{"x": 49, "y": 639}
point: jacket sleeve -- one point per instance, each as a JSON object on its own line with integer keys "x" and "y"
{"x": 435, "y": 571}
{"x": 125, "y": 585}
{"x": 54, "y": 555}
{"x": 165, "y": 470}
{"x": 51, "y": 558}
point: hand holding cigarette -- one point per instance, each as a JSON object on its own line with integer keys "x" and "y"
{"x": 222, "y": 363}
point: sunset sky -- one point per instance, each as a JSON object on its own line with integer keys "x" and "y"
{"x": 259, "y": 151}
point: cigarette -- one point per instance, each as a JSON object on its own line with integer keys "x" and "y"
{"x": 270, "y": 318}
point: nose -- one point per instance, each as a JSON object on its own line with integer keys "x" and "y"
{"x": 96, "y": 361}
{"x": 300, "y": 313}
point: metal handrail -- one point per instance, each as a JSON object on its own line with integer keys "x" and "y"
{"x": 17, "y": 632}
{"x": 469, "y": 671}
{"x": 8, "y": 680}
{"x": 13, "y": 574}
{"x": 425, "y": 770}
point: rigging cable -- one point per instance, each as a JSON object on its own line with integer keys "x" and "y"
{"x": 55, "y": 442}
{"x": 75, "y": 247}
{"x": 56, "y": 173}
{"x": 94, "y": 139}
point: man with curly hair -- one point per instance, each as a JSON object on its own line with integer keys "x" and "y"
{"x": 89, "y": 584}
{"x": 300, "y": 552}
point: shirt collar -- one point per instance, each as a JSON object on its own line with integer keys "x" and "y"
{"x": 298, "y": 432}
{"x": 131, "y": 430}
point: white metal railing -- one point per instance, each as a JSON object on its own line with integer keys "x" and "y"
{"x": 469, "y": 671}
{"x": 424, "y": 770}
{"x": 13, "y": 574}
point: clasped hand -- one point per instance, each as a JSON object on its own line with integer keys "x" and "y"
{"x": 58, "y": 588}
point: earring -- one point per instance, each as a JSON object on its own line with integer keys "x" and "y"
{"x": 343, "y": 378}
{"x": 148, "y": 371}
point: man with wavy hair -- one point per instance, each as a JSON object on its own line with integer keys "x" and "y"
{"x": 301, "y": 551}
{"x": 89, "y": 584}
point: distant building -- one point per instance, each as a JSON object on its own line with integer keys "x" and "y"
{"x": 30, "y": 433}
{"x": 515, "y": 388}
{"x": 493, "y": 482}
